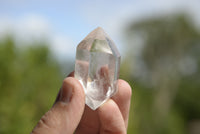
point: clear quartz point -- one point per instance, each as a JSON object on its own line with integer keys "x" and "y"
{"x": 97, "y": 67}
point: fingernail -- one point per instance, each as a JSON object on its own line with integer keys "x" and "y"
{"x": 66, "y": 93}
{"x": 71, "y": 74}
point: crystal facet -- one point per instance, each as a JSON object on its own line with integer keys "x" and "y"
{"x": 97, "y": 67}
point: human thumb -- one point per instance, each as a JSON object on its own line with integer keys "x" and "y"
{"x": 65, "y": 115}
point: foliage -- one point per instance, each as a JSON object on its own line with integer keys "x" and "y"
{"x": 29, "y": 81}
{"x": 166, "y": 75}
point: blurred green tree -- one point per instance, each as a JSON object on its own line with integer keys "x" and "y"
{"x": 29, "y": 80}
{"x": 165, "y": 70}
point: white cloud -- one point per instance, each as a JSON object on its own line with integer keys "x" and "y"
{"x": 5, "y": 26}
{"x": 63, "y": 46}
{"x": 35, "y": 28}
{"x": 25, "y": 28}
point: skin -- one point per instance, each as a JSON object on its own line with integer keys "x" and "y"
{"x": 69, "y": 113}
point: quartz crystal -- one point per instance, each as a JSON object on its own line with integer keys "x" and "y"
{"x": 97, "y": 67}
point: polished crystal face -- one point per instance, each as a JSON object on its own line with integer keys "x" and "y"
{"x": 97, "y": 67}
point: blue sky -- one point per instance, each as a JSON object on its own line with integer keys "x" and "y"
{"x": 67, "y": 22}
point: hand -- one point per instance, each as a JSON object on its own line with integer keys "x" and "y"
{"x": 69, "y": 113}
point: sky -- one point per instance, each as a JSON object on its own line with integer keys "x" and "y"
{"x": 66, "y": 22}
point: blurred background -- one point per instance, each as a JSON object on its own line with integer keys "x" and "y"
{"x": 159, "y": 43}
